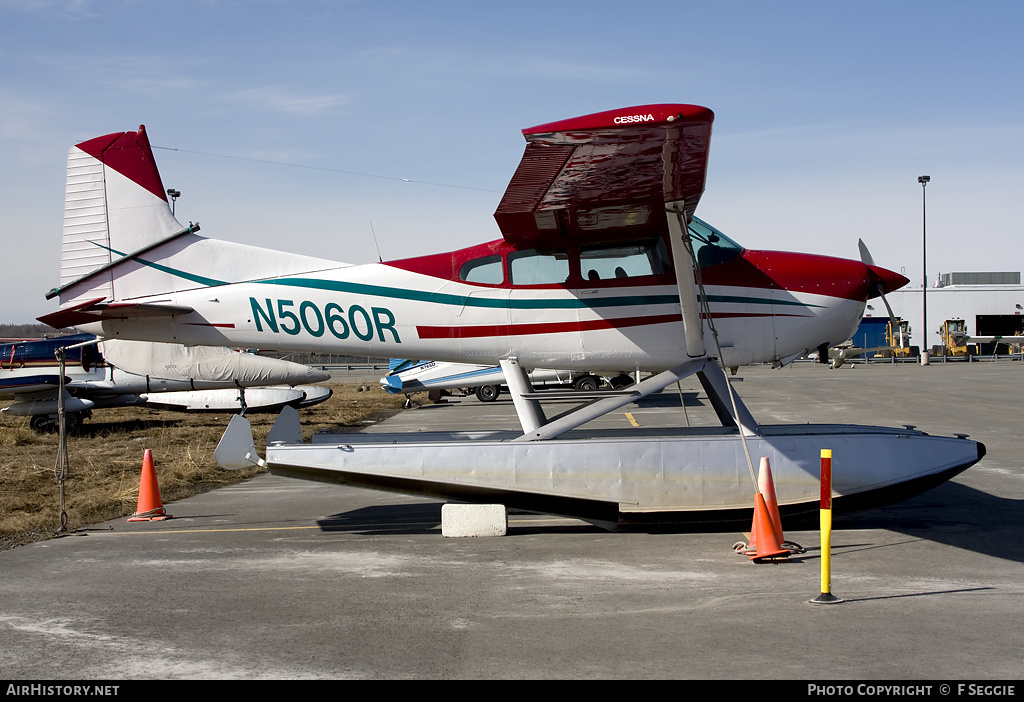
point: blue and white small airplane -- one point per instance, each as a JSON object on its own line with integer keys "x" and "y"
{"x": 102, "y": 373}
{"x": 601, "y": 264}
{"x": 409, "y": 376}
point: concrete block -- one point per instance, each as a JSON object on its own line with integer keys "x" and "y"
{"x": 459, "y": 520}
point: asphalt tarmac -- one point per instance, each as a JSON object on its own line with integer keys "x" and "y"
{"x": 283, "y": 579}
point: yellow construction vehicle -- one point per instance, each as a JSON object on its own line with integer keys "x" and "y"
{"x": 898, "y": 338}
{"x": 953, "y": 338}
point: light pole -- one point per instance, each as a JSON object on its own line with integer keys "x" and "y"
{"x": 923, "y": 180}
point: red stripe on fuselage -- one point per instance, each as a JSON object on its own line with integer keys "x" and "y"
{"x": 427, "y": 332}
{"x": 541, "y": 327}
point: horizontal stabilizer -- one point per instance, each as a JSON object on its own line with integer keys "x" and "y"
{"x": 96, "y": 310}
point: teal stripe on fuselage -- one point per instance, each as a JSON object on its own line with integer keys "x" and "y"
{"x": 470, "y": 301}
{"x": 737, "y": 300}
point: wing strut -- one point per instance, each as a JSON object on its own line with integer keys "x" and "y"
{"x": 531, "y": 414}
{"x": 716, "y": 385}
{"x": 686, "y": 268}
{"x": 730, "y": 409}
{"x": 731, "y": 414}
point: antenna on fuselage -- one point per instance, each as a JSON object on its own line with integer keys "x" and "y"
{"x": 381, "y": 258}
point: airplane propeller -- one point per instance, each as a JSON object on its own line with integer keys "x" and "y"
{"x": 879, "y": 287}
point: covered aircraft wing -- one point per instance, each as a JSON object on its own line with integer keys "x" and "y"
{"x": 259, "y": 399}
{"x": 607, "y": 174}
{"x": 205, "y": 364}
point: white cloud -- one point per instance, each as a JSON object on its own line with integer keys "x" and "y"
{"x": 283, "y": 100}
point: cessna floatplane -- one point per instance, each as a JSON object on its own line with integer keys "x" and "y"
{"x": 599, "y": 266}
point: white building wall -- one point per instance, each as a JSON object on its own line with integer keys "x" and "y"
{"x": 951, "y": 302}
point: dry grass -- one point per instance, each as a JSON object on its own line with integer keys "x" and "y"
{"x": 106, "y": 459}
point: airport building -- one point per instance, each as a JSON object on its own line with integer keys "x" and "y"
{"x": 990, "y": 304}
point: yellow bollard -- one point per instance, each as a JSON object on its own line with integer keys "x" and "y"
{"x": 825, "y": 514}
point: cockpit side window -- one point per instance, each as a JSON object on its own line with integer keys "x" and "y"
{"x": 623, "y": 260}
{"x": 535, "y": 267}
{"x": 711, "y": 246}
{"x": 485, "y": 271}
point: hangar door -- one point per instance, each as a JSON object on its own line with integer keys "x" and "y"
{"x": 998, "y": 325}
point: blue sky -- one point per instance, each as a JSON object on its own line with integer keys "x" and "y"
{"x": 404, "y": 118}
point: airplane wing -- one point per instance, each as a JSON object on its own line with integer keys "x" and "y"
{"x": 607, "y": 174}
{"x": 205, "y": 364}
{"x": 992, "y": 339}
{"x": 259, "y": 399}
{"x": 147, "y": 370}
{"x": 846, "y": 354}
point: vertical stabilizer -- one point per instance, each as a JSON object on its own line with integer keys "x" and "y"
{"x": 115, "y": 204}
{"x": 122, "y": 243}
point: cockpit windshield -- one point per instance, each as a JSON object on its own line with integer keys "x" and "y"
{"x": 711, "y": 246}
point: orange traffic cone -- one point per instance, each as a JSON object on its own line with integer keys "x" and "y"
{"x": 149, "y": 508}
{"x": 768, "y": 543}
{"x": 766, "y": 486}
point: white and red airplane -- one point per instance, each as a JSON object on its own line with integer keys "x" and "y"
{"x": 602, "y": 265}
{"x": 584, "y": 270}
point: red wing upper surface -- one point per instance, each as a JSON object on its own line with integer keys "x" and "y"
{"x": 607, "y": 175}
